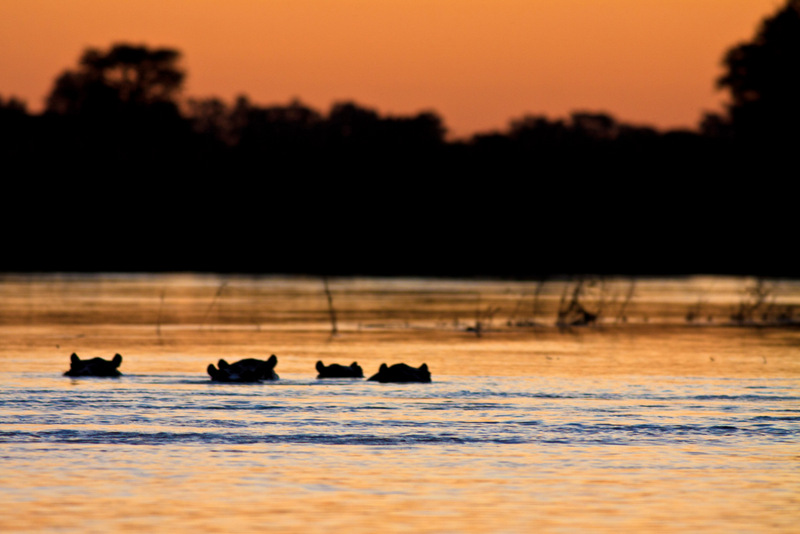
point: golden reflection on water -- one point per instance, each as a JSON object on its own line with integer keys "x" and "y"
{"x": 168, "y": 328}
{"x": 365, "y": 490}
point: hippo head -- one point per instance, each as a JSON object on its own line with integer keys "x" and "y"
{"x": 247, "y": 370}
{"x": 401, "y": 372}
{"x": 336, "y": 370}
{"x": 94, "y": 366}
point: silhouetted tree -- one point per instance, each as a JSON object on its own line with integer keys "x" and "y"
{"x": 538, "y": 131}
{"x": 11, "y": 107}
{"x": 351, "y": 125}
{"x": 211, "y": 120}
{"x": 763, "y": 77}
{"x": 15, "y": 127}
{"x": 119, "y": 108}
{"x": 595, "y": 126}
{"x": 125, "y": 75}
{"x": 716, "y": 126}
{"x": 274, "y": 136}
{"x": 274, "y": 127}
{"x": 421, "y": 131}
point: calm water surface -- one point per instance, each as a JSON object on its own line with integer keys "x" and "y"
{"x": 648, "y": 425}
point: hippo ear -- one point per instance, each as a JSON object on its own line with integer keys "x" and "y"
{"x": 320, "y": 366}
{"x": 117, "y": 360}
{"x": 273, "y": 360}
{"x": 212, "y": 371}
{"x": 222, "y": 364}
{"x": 384, "y": 368}
{"x": 354, "y": 364}
{"x": 74, "y": 358}
{"x": 423, "y": 367}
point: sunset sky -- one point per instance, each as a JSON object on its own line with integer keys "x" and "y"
{"x": 478, "y": 63}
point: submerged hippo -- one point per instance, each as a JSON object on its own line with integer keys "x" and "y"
{"x": 335, "y": 370}
{"x": 94, "y": 366}
{"x": 247, "y": 370}
{"x": 401, "y": 372}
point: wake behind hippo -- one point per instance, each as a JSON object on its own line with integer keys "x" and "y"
{"x": 401, "y": 372}
{"x": 336, "y": 370}
{"x": 94, "y": 367}
{"x": 247, "y": 370}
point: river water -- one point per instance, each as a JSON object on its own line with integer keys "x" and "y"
{"x": 662, "y": 416}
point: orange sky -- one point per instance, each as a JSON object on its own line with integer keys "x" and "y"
{"x": 478, "y": 63}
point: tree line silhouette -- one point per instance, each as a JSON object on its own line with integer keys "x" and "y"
{"x": 124, "y": 164}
